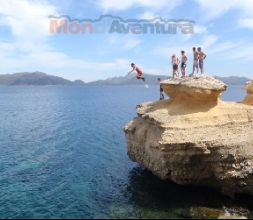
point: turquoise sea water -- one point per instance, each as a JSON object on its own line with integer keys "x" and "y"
{"x": 63, "y": 155}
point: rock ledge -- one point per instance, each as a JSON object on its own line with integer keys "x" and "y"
{"x": 194, "y": 138}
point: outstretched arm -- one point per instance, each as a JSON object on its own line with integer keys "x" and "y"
{"x": 131, "y": 71}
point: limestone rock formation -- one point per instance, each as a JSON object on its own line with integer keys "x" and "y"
{"x": 249, "y": 98}
{"x": 194, "y": 138}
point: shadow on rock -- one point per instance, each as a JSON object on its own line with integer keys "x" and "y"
{"x": 150, "y": 193}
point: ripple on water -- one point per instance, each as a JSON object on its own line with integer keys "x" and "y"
{"x": 63, "y": 154}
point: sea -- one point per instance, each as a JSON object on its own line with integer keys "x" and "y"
{"x": 63, "y": 154}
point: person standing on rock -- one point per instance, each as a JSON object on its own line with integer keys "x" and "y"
{"x": 195, "y": 61}
{"x": 183, "y": 64}
{"x": 161, "y": 90}
{"x": 138, "y": 70}
{"x": 202, "y": 57}
{"x": 175, "y": 62}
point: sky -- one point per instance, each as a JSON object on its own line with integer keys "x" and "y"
{"x": 224, "y": 29}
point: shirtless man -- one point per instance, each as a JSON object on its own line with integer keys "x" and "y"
{"x": 202, "y": 57}
{"x": 175, "y": 62}
{"x": 138, "y": 70}
{"x": 183, "y": 64}
{"x": 195, "y": 61}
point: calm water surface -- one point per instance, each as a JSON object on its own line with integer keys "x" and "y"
{"x": 63, "y": 155}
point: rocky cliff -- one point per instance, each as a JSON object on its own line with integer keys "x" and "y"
{"x": 194, "y": 138}
{"x": 249, "y": 98}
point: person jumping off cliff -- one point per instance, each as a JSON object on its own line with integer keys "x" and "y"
{"x": 139, "y": 72}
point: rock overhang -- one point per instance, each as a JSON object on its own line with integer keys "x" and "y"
{"x": 198, "y": 89}
{"x": 169, "y": 136}
{"x": 249, "y": 89}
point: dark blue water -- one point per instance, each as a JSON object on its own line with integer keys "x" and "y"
{"x": 63, "y": 155}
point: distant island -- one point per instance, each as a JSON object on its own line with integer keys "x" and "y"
{"x": 130, "y": 80}
{"x": 43, "y": 79}
{"x": 153, "y": 80}
{"x": 233, "y": 80}
{"x": 35, "y": 79}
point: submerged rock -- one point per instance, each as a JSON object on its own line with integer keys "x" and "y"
{"x": 210, "y": 213}
{"x": 194, "y": 138}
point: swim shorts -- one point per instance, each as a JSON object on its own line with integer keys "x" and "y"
{"x": 201, "y": 64}
{"x": 175, "y": 67}
{"x": 183, "y": 65}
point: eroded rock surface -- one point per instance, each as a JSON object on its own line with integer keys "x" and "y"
{"x": 194, "y": 138}
{"x": 249, "y": 98}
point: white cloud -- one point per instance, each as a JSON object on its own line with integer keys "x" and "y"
{"x": 224, "y": 47}
{"x": 7, "y": 48}
{"x": 27, "y": 20}
{"x": 147, "y": 15}
{"x": 200, "y": 29}
{"x": 29, "y": 47}
{"x": 246, "y": 6}
{"x": 246, "y": 23}
{"x": 131, "y": 44}
{"x": 54, "y": 62}
{"x": 216, "y": 8}
{"x": 124, "y": 5}
{"x": 122, "y": 43}
{"x": 208, "y": 41}
{"x": 242, "y": 53}
{"x": 240, "y": 50}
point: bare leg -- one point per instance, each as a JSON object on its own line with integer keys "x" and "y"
{"x": 201, "y": 66}
{"x": 161, "y": 96}
{"x": 174, "y": 74}
{"x": 183, "y": 72}
{"x": 141, "y": 77}
{"x": 193, "y": 71}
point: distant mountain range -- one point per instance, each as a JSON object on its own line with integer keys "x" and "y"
{"x": 42, "y": 79}
{"x": 35, "y": 79}
{"x": 130, "y": 80}
{"x": 234, "y": 80}
{"x": 153, "y": 79}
